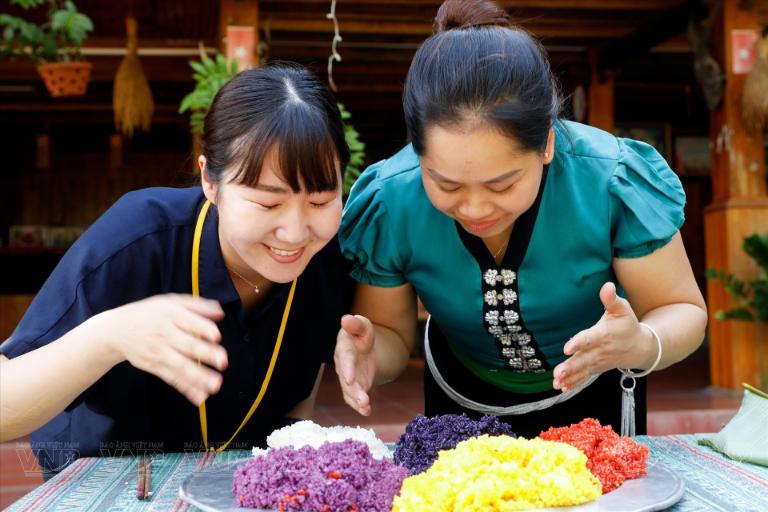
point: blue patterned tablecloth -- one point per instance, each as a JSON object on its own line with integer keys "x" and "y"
{"x": 713, "y": 482}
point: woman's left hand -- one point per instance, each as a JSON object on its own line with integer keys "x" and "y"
{"x": 616, "y": 341}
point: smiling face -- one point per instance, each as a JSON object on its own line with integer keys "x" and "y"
{"x": 268, "y": 230}
{"x": 480, "y": 177}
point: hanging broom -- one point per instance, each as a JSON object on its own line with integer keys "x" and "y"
{"x": 131, "y": 96}
{"x": 754, "y": 98}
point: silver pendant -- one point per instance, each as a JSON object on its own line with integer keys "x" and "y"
{"x": 627, "y": 405}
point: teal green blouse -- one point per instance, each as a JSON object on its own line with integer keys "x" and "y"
{"x": 602, "y": 197}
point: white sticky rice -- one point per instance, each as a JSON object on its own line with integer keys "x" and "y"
{"x": 309, "y": 433}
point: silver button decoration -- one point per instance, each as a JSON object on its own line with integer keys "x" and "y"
{"x": 522, "y": 338}
{"x": 492, "y": 317}
{"x": 507, "y": 277}
{"x": 513, "y": 340}
{"x": 511, "y": 316}
{"x": 490, "y": 276}
{"x": 508, "y": 296}
{"x": 495, "y": 330}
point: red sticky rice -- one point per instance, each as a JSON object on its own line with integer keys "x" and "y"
{"x": 612, "y": 458}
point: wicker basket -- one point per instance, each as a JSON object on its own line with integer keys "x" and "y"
{"x": 66, "y": 78}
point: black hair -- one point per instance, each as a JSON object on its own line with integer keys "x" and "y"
{"x": 280, "y": 106}
{"x": 478, "y": 66}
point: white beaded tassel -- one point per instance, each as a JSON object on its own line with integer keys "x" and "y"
{"x": 627, "y": 382}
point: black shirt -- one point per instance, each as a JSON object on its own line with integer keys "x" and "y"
{"x": 142, "y": 247}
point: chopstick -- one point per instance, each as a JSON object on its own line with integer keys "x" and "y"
{"x": 144, "y": 483}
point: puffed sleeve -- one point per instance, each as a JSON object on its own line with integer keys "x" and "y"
{"x": 648, "y": 201}
{"x": 367, "y": 233}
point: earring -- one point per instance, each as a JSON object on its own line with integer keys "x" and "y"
{"x": 546, "y": 154}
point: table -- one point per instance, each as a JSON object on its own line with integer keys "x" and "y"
{"x": 713, "y": 482}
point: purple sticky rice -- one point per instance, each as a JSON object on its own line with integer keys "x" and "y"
{"x": 424, "y": 437}
{"x": 336, "y": 477}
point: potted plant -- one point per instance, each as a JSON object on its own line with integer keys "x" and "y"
{"x": 211, "y": 74}
{"x": 751, "y": 298}
{"x": 54, "y": 45}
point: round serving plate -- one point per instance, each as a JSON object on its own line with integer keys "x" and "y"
{"x": 210, "y": 490}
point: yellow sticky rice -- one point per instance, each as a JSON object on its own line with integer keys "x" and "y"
{"x": 501, "y": 473}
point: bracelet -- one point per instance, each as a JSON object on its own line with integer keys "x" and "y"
{"x": 630, "y": 373}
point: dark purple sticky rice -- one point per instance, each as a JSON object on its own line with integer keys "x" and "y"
{"x": 336, "y": 477}
{"x": 424, "y": 437}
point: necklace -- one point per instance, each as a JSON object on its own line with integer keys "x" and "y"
{"x": 496, "y": 254}
{"x": 255, "y": 287}
{"x": 275, "y": 352}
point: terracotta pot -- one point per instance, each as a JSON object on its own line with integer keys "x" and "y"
{"x": 66, "y": 78}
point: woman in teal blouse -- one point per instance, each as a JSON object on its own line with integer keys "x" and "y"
{"x": 512, "y": 227}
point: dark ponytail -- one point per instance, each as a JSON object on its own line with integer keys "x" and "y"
{"x": 479, "y": 67}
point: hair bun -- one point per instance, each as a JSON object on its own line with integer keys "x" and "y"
{"x": 459, "y": 14}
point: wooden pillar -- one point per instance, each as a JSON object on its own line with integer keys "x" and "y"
{"x": 739, "y": 208}
{"x": 600, "y": 103}
{"x": 43, "y": 151}
{"x": 115, "y": 152}
{"x": 239, "y": 27}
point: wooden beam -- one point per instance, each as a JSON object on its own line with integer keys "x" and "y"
{"x": 740, "y": 208}
{"x": 669, "y": 24}
{"x": 594, "y": 5}
{"x": 243, "y": 14}
{"x": 587, "y": 5}
{"x": 540, "y": 27}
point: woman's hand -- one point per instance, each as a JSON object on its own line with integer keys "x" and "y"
{"x": 166, "y": 335}
{"x": 616, "y": 341}
{"x": 355, "y": 362}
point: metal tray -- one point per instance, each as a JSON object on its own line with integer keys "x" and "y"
{"x": 210, "y": 491}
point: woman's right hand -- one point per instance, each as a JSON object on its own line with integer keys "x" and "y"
{"x": 354, "y": 360}
{"x": 166, "y": 335}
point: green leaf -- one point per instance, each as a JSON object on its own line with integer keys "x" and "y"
{"x": 759, "y": 300}
{"x": 221, "y": 63}
{"x": 208, "y": 63}
{"x": 28, "y": 4}
{"x": 756, "y": 246}
{"x": 199, "y": 68}
{"x": 59, "y": 20}
{"x": 186, "y": 103}
{"x": 49, "y": 47}
{"x": 735, "y": 314}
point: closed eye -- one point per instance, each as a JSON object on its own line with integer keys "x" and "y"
{"x": 448, "y": 189}
{"x": 502, "y": 190}
{"x": 266, "y": 206}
